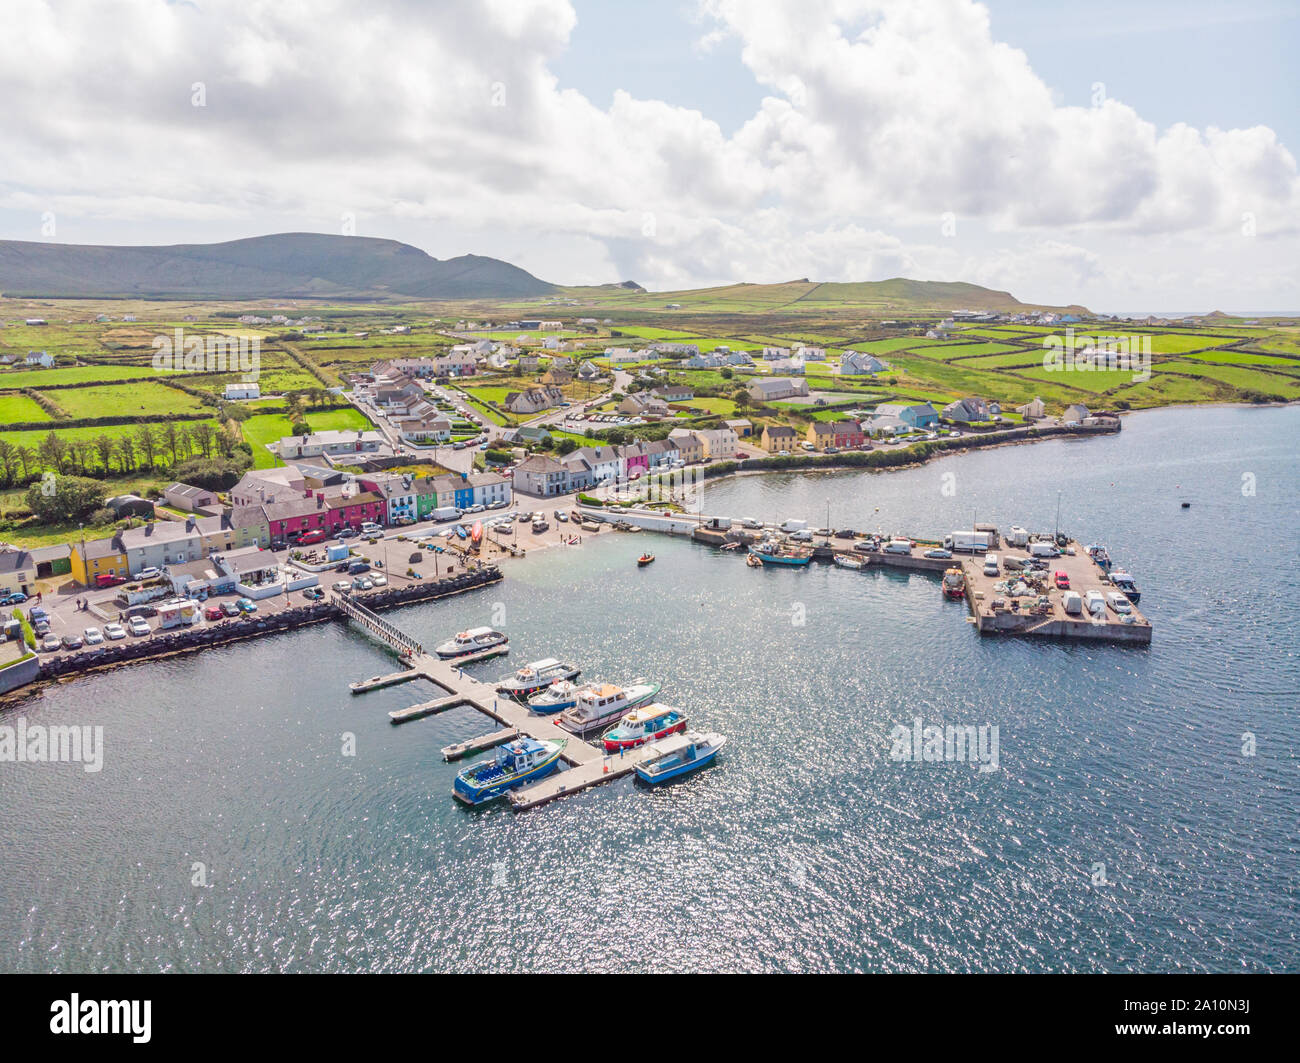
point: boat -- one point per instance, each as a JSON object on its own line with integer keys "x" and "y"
{"x": 560, "y": 695}
{"x": 534, "y": 677}
{"x": 679, "y": 754}
{"x": 643, "y": 725}
{"x": 730, "y": 546}
{"x": 461, "y": 533}
{"x": 753, "y": 561}
{"x": 476, "y": 533}
{"x": 597, "y": 706}
{"x": 1099, "y": 556}
{"x": 776, "y": 553}
{"x": 1187, "y": 505}
{"x": 645, "y": 559}
{"x": 844, "y": 561}
{"x": 1122, "y": 581}
{"x": 522, "y": 761}
{"x": 954, "y": 583}
{"x": 471, "y": 641}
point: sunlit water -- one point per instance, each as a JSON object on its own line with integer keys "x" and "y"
{"x": 1123, "y": 830}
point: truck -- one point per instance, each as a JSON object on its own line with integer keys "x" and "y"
{"x": 794, "y": 526}
{"x": 1018, "y": 536}
{"x": 443, "y": 513}
{"x": 969, "y": 542}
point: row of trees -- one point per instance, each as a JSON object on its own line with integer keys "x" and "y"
{"x": 150, "y": 446}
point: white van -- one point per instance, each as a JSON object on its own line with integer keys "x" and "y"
{"x": 990, "y": 564}
{"x": 1043, "y": 550}
{"x": 1096, "y": 603}
{"x": 898, "y": 546}
{"x": 1072, "y": 603}
{"x": 371, "y": 528}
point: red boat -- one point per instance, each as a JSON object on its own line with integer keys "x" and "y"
{"x": 954, "y": 584}
{"x": 643, "y": 724}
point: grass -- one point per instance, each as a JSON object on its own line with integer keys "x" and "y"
{"x": 271, "y": 427}
{"x": 19, "y": 409}
{"x": 144, "y": 399}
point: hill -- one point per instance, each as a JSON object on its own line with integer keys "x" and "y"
{"x": 297, "y": 265}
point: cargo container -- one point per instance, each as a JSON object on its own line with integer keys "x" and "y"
{"x": 969, "y": 542}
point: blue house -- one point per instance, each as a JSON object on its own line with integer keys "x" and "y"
{"x": 918, "y": 415}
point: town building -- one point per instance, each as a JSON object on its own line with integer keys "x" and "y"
{"x": 778, "y": 437}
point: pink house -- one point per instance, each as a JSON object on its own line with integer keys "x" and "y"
{"x": 636, "y": 459}
{"x": 355, "y": 510}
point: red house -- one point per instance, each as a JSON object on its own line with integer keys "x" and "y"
{"x": 848, "y": 434}
{"x": 354, "y": 510}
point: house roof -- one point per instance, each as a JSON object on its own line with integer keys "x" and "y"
{"x": 15, "y": 561}
{"x": 782, "y": 430}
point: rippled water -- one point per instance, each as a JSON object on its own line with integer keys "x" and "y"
{"x": 806, "y": 848}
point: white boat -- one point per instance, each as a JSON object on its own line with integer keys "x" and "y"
{"x": 679, "y": 754}
{"x": 555, "y": 698}
{"x": 844, "y": 561}
{"x": 471, "y": 641}
{"x": 599, "y": 705}
{"x": 535, "y": 676}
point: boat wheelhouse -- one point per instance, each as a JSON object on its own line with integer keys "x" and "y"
{"x": 534, "y": 677}
{"x": 643, "y": 725}
{"x": 678, "y": 755}
{"x": 599, "y": 705}
{"x": 514, "y": 764}
{"x": 1125, "y": 583}
{"x": 471, "y": 641}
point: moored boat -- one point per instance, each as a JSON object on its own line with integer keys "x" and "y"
{"x": 522, "y": 761}
{"x": 557, "y": 697}
{"x": 1122, "y": 581}
{"x": 599, "y": 705}
{"x": 644, "y": 724}
{"x": 679, "y": 754}
{"x": 753, "y": 561}
{"x": 844, "y": 561}
{"x": 471, "y": 641}
{"x": 1099, "y": 556}
{"x": 775, "y": 553}
{"x": 954, "y": 583}
{"x": 535, "y": 676}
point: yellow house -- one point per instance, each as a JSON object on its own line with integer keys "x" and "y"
{"x": 98, "y": 557}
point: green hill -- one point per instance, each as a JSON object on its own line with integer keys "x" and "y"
{"x": 298, "y": 265}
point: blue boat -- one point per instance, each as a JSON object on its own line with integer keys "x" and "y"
{"x": 678, "y": 755}
{"x": 555, "y": 698}
{"x": 461, "y": 533}
{"x": 522, "y": 761}
{"x": 780, "y": 554}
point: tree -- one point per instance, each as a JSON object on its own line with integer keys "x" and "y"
{"x": 69, "y": 498}
{"x": 8, "y": 460}
{"x": 104, "y": 447}
{"x": 566, "y": 446}
{"x": 171, "y": 440}
{"x": 26, "y": 459}
{"x": 53, "y": 452}
{"x": 725, "y": 372}
{"x": 148, "y": 444}
{"x": 126, "y": 450}
{"x": 202, "y": 433}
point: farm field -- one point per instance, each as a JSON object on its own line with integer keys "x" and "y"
{"x": 1245, "y": 358}
{"x": 269, "y": 427}
{"x": 143, "y": 399}
{"x": 76, "y": 374}
{"x": 19, "y": 409}
{"x": 31, "y": 438}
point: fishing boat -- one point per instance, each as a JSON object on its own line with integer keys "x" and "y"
{"x": 522, "y": 761}
{"x": 1125, "y": 583}
{"x": 954, "y": 584}
{"x": 772, "y": 552}
{"x": 534, "y": 677}
{"x": 460, "y": 531}
{"x": 597, "y": 706}
{"x": 1187, "y": 505}
{"x": 844, "y": 561}
{"x": 557, "y": 697}
{"x": 643, "y": 725}
{"x": 644, "y": 560}
{"x": 471, "y": 641}
{"x": 753, "y": 561}
{"x": 1099, "y": 556}
{"x": 678, "y": 755}
{"x": 730, "y": 546}
{"x": 476, "y": 533}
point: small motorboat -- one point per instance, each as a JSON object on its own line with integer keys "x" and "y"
{"x": 645, "y": 559}
{"x": 754, "y": 561}
{"x": 678, "y": 755}
{"x": 1187, "y": 505}
{"x": 643, "y": 725}
{"x": 471, "y": 641}
{"x": 954, "y": 584}
{"x": 560, "y": 695}
{"x": 461, "y": 533}
{"x": 844, "y": 561}
{"x": 534, "y": 677}
{"x": 522, "y": 761}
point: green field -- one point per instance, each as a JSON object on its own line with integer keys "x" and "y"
{"x": 19, "y": 409}
{"x": 144, "y": 399}
{"x": 271, "y": 427}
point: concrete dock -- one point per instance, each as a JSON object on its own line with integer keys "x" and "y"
{"x": 378, "y": 681}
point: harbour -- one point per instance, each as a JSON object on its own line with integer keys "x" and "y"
{"x": 806, "y": 846}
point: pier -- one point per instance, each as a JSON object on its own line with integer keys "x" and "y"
{"x": 586, "y": 765}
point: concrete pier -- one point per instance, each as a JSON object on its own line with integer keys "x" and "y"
{"x": 378, "y": 681}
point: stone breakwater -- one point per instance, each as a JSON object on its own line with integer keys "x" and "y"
{"x": 189, "y": 640}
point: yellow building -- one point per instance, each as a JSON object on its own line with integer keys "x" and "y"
{"x": 98, "y": 557}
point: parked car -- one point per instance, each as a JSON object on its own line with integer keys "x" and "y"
{"x": 313, "y": 594}
{"x": 72, "y": 641}
{"x": 844, "y": 533}
{"x": 142, "y": 610}
{"x": 938, "y": 552}
{"x": 114, "y": 631}
{"x": 362, "y": 583}
{"x": 108, "y": 579}
{"x": 16, "y": 598}
{"x": 317, "y": 535}
{"x": 229, "y": 609}
{"x": 213, "y": 612}
{"x": 353, "y": 567}
{"x": 477, "y": 508}
{"x": 93, "y": 636}
{"x": 561, "y": 516}
{"x": 246, "y": 605}
{"x": 346, "y": 533}
{"x": 1062, "y": 579}
{"x": 1119, "y": 602}
{"x": 50, "y": 643}
{"x": 148, "y": 573}
{"x": 379, "y": 581}
{"x": 138, "y": 626}
{"x": 371, "y": 528}
{"x": 343, "y": 586}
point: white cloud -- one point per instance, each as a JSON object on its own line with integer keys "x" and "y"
{"x": 444, "y": 122}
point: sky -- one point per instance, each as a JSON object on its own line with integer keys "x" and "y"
{"x": 1125, "y": 156}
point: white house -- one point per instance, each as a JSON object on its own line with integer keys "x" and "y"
{"x": 242, "y": 390}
